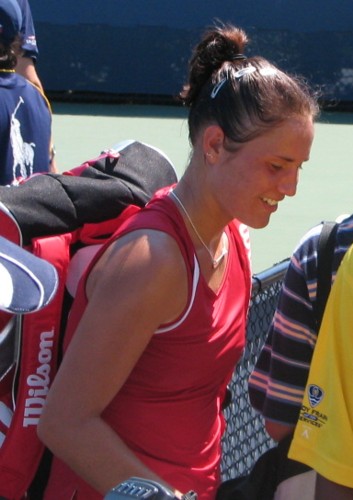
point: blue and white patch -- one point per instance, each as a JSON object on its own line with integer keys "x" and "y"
{"x": 315, "y": 395}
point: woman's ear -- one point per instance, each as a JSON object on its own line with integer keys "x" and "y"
{"x": 213, "y": 139}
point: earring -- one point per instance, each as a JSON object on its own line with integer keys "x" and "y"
{"x": 209, "y": 155}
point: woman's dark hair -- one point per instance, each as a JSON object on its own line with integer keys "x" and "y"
{"x": 9, "y": 53}
{"x": 244, "y": 96}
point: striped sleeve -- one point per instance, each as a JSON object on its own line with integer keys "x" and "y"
{"x": 276, "y": 386}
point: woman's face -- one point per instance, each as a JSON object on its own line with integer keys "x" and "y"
{"x": 255, "y": 178}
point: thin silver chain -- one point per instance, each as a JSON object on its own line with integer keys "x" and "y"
{"x": 215, "y": 262}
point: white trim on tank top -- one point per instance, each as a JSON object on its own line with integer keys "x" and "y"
{"x": 195, "y": 281}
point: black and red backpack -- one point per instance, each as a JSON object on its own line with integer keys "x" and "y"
{"x": 63, "y": 218}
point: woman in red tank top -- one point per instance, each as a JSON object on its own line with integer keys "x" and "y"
{"x": 159, "y": 319}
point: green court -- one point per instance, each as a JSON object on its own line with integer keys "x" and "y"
{"x": 81, "y": 131}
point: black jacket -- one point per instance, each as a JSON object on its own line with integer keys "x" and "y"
{"x": 48, "y": 204}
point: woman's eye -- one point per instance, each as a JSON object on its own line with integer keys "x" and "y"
{"x": 275, "y": 166}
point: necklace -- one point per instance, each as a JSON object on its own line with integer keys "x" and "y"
{"x": 215, "y": 261}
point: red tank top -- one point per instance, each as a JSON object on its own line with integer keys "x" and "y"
{"x": 169, "y": 410}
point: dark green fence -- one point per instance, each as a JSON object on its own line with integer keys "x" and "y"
{"x": 245, "y": 438}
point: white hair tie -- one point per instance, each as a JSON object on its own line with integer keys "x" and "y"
{"x": 267, "y": 71}
{"x": 244, "y": 71}
{"x": 239, "y": 74}
{"x": 218, "y": 87}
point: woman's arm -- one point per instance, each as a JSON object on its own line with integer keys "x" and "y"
{"x": 139, "y": 283}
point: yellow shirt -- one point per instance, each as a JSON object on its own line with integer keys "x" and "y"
{"x": 323, "y": 437}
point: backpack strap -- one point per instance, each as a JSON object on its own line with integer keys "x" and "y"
{"x": 38, "y": 342}
{"x": 325, "y": 253}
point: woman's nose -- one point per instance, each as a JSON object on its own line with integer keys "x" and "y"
{"x": 288, "y": 184}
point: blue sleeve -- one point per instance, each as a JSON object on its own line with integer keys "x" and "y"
{"x": 29, "y": 42}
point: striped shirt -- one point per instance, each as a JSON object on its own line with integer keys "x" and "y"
{"x": 277, "y": 384}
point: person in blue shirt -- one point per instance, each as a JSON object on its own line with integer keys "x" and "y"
{"x": 27, "y": 59}
{"x": 25, "y": 114}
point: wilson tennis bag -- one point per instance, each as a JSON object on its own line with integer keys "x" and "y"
{"x": 64, "y": 219}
